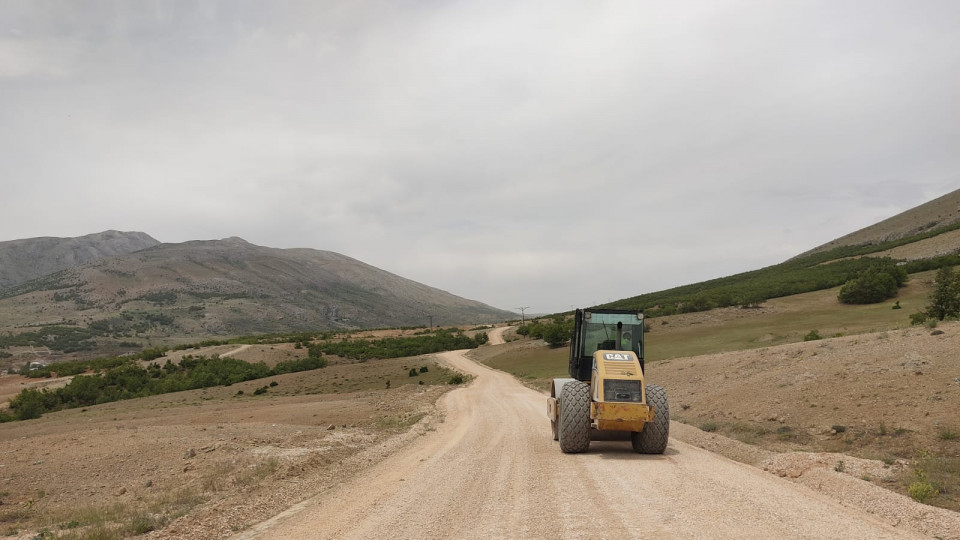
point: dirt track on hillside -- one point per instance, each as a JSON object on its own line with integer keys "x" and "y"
{"x": 491, "y": 470}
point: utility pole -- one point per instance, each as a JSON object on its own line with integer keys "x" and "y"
{"x": 522, "y": 319}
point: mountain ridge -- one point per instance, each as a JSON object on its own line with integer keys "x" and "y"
{"x": 232, "y": 287}
{"x": 940, "y": 212}
{"x": 27, "y": 259}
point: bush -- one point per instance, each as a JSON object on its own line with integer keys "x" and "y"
{"x": 875, "y": 284}
{"x": 456, "y": 379}
{"x": 922, "y": 491}
{"x": 918, "y": 318}
{"x": 812, "y": 336}
{"x": 945, "y": 298}
{"x": 947, "y": 434}
{"x": 362, "y": 349}
{"x": 413, "y": 372}
{"x": 709, "y": 427}
{"x": 557, "y": 335}
{"x": 556, "y": 332}
{"x": 424, "y": 369}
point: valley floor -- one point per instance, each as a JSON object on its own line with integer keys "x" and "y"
{"x": 843, "y": 417}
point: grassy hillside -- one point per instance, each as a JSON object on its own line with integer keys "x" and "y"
{"x": 813, "y": 272}
{"x": 776, "y": 322}
{"x": 940, "y": 212}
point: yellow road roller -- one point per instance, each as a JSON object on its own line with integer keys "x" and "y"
{"x": 607, "y": 390}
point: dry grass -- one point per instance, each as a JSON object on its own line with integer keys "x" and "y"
{"x": 129, "y": 461}
{"x": 780, "y": 321}
{"x": 918, "y": 219}
{"x": 888, "y": 395}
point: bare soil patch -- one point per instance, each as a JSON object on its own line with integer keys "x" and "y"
{"x": 891, "y": 397}
{"x": 203, "y": 463}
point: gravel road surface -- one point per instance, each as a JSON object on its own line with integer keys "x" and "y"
{"x": 491, "y": 470}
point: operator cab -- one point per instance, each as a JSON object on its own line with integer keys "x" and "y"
{"x": 603, "y": 330}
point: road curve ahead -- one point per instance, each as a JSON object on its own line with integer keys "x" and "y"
{"x": 491, "y": 470}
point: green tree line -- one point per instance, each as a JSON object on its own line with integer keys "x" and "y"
{"x": 441, "y": 340}
{"x": 555, "y": 331}
{"x": 128, "y": 380}
{"x": 808, "y": 273}
{"x": 796, "y": 276}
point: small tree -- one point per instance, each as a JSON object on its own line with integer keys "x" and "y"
{"x": 556, "y": 335}
{"x": 945, "y": 298}
{"x": 874, "y": 285}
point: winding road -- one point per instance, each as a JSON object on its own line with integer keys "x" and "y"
{"x": 491, "y": 470}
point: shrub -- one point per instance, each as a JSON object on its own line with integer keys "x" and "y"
{"x": 424, "y": 369}
{"x": 918, "y": 318}
{"x": 922, "y": 491}
{"x": 947, "y": 434}
{"x": 709, "y": 427}
{"x": 556, "y": 335}
{"x": 876, "y": 284}
{"x": 555, "y": 332}
{"x": 456, "y": 379}
{"x": 363, "y": 349}
{"x": 812, "y": 336}
{"x": 413, "y": 372}
{"x": 945, "y": 298}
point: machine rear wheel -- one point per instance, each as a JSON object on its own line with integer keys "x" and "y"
{"x": 653, "y": 438}
{"x": 574, "y": 423}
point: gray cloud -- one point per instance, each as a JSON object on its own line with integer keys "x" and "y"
{"x": 538, "y": 153}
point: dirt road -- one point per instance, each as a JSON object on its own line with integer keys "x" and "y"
{"x": 491, "y": 470}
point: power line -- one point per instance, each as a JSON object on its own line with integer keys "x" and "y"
{"x": 522, "y": 319}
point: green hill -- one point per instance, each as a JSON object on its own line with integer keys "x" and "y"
{"x": 896, "y": 241}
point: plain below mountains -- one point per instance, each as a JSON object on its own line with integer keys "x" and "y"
{"x": 223, "y": 287}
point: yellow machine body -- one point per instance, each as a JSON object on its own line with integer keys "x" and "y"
{"x": 619, "y": 400}
{"x": 618, "y": 393}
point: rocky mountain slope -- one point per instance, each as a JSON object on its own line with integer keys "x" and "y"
{"x": 31, "y": 258}
{"x": 229, "y": 287}
{"x": 940, "y": 212}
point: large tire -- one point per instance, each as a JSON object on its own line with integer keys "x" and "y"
{"x": 653, "y": 438}
{"x": 574, "y": 428}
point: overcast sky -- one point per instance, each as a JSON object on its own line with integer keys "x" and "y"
{"x": 545, "y": 154}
